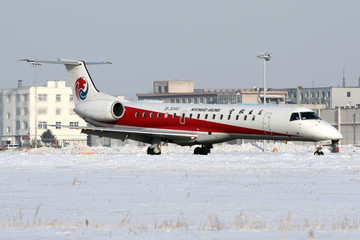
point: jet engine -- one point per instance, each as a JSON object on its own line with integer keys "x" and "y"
{"x": 102, "y": 110}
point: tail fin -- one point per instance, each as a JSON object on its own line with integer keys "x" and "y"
{"x": 80, "y": 81}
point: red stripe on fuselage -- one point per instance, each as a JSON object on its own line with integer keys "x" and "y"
{"x": 173, "y": 123}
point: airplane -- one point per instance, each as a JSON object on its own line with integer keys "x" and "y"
{"x": 187, "y": 124}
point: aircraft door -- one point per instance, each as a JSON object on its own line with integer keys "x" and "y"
{"x": 182, "y": 117}
{"x": 266, "y": 123}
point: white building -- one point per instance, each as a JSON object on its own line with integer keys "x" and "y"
{"x": 53, "y": 105}
{"x": 332, "y": 97}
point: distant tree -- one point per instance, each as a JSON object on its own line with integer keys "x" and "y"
{"x": 48, "y": 138}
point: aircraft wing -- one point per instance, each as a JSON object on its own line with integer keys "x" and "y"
{"x": 126, "y": 132}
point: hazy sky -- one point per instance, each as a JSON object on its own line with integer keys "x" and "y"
{"x": 213, "y": 42}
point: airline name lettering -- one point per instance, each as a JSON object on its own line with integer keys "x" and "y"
{"x": 205, "y": 109}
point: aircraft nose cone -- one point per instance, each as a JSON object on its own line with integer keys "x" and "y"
{"x": 333, "y": 133}
{"x": 336, "y": 135}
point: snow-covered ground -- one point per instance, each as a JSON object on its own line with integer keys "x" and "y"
{"x": 236, "y": 192}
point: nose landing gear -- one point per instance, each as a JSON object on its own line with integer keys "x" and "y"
{"x": 318, "y": 150}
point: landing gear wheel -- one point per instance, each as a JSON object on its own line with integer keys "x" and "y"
{"x": 318, "y": 152}
{"x": 203, "y": 150}
{"x": 197, "y": 151}
{"x": 153, "y": 151}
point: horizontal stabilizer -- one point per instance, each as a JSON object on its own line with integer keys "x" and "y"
{"x": 64, "y": 61}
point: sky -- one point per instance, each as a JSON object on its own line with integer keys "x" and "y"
{"x": 215, "y": 43}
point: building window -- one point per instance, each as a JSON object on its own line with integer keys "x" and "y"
{"x": 58, "y": 97}
{"x": 18, "y": 111}
{"x": 71, "y": 98}
{"x": 42, "y": 125}
{"x": 25, "y": 125}
{"x": 42, "y": 110}
{"x": 8, "y": 130}
{"x": 42, "y": 97}
{"x": 17, "y": 125}
{"x": 58, "y": 111}
{"x": 58, "y": 125}
{"x": 8, "y": 98}
{"x": 348, "y": 94}
{"x": 8, "y": 115}
{"x": 74, "y": 124}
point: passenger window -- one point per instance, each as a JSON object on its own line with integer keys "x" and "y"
{"x": 206, "y": 116}
{"x": 158, "y": 115}
{"x": 190, "y": 115}
{"x": 144, "y": 114}
{"x": 136, "y": 114}
{"x": 174, "y": 116}
{"x": 166, "y": 115}
{"x": 214, "y": 115}
{"x": 151, "y": 115}
{"x": 245, "y": 117}
{"x": 229, "y": 117}
{"x": 198, "y": 116}
{"x": 183, "y": 115}
{"x": 221, "y": 116}
{"x": 237, "y": 117}
{"x": 253, "y": 117}
{"x": 294, "y": 117}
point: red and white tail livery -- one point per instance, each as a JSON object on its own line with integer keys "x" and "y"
{"x": 187, "y": 124}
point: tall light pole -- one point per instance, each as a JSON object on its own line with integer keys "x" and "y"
{"x": 35, "y": 64}
{"x": 266, "y": 57}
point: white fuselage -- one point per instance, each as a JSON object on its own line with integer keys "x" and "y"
{"x": 218, "y": 123}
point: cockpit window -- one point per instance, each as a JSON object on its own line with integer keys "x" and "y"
{"x": 309, "y": 115}
{"x": 294, "y": 116}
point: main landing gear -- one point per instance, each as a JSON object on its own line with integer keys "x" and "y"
{"x": 155, "y": 147}
{"x": 203, "y": 150}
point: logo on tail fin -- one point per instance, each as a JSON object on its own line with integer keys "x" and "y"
{"x": 81, "y": 88}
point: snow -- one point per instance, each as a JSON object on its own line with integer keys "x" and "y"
{"x": 236, "y": 192}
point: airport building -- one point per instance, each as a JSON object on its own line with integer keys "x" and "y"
{"x": 331, "y": 97}
{"x": 23, "y": 107}
{"x": 184, "y": 92}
